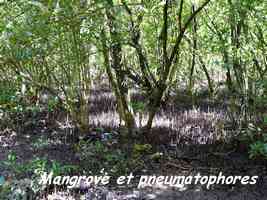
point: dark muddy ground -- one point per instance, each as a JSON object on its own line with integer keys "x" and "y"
{"x": 192, "y": 139}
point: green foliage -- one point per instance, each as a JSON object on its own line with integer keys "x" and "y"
{"x": 4, "y": 191}
{"x": 40, "y": 143}
{"x": 8, "y": 98}
{"x": 138, "y": 106}
{"x": 11, "y": 163}
{"x": 52, "y": 104}
{"x": 250, "y": 134}
{"x": 258, "y": 150}
{"x": 36, "y": 166}
{"x": 60, "y": 169}
{"x": 11, "y": 101}
{"x": 258, "y": 147}
{"x": 24, "y": 177}
{"x": 97, "y": 156}
{"x": 140, "y": 149}
{"x": 156, "y": 156}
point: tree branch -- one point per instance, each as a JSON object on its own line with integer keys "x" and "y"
{"x": 180, "y": 37}
{"x": 180, "y": 14}
{"x": 148, "y": 77}
{"x": 165, "y": 32}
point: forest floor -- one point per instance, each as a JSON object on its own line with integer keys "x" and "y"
{"x": 191, "y": 139}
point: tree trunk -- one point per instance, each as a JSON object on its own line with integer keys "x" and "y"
{"x": 115, "y": 62}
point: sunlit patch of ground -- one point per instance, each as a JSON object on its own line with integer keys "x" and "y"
{"x": 199, "y": 125}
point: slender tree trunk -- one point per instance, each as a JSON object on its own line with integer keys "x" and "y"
{"x": 120, "y": 89}
{"x": 210, "y": 83}
{"x": 194, "y": 48}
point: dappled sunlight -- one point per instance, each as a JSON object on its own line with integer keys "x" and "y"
{"x": 195, "y": 125}
{"x": 105, "y": 119}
